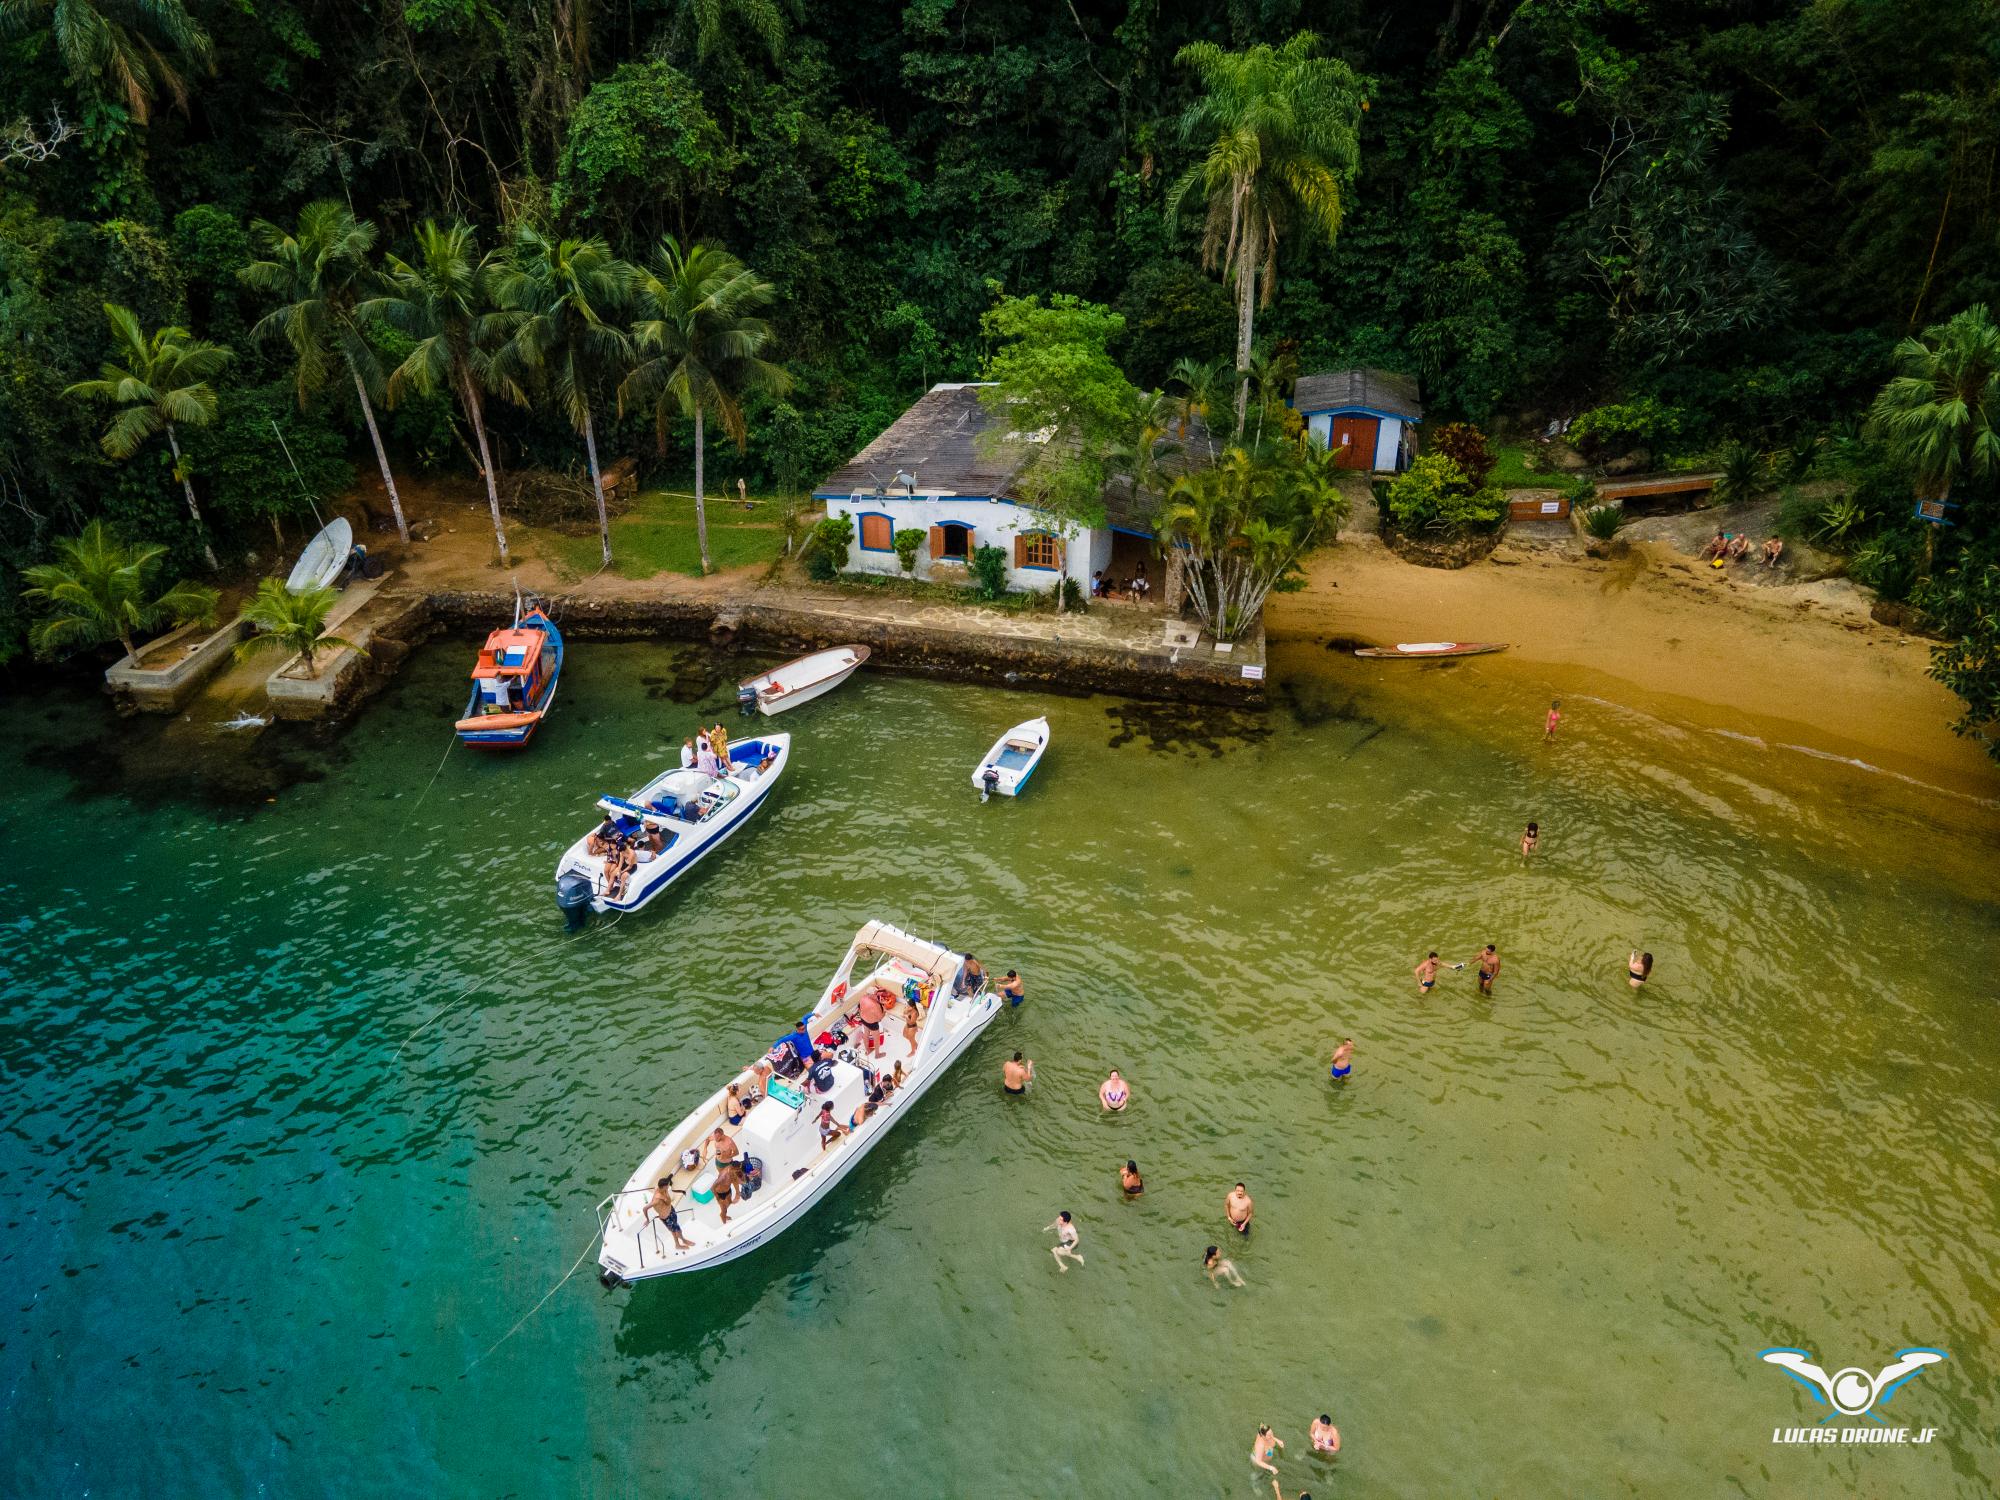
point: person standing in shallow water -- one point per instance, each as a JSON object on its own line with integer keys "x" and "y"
{"x": 1489, "y": 968}
{"x": 1239, "y": 1208}
{"x": 1555, "y": 717}
{"x": 1017, "y": 1073}
{"x": 1531, "y": 840}
{"x": 1638, "y": 969}
{"x": 1130, "y": 1180}
{"x": 1343, "y": 1058}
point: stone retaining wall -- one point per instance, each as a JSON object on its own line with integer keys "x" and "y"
{"x": 1443, "y": 552}
{"x": 166, "y": 690}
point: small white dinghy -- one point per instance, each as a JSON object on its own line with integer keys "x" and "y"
{"x": 1012, "y": 760}
{"x": 785, "y": 1161}
{"x": 324, "y": 558}
{"x": 800, "y": 680}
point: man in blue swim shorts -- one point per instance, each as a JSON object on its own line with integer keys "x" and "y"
{"x": 1343, "y": 1058}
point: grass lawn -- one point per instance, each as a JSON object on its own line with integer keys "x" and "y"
{"x": 657, "y": 535}
{"x": 1510, "y": 470}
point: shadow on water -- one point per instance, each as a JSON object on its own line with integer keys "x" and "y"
{"x": 153, "y": 762}
{"x": 1185, "y": 728}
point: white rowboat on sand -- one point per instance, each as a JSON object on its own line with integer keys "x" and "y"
{"x": 324, "y": 558}
{"x": 802, "y": 679}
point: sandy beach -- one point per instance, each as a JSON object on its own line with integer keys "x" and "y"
{"x": 1801, "y": 664}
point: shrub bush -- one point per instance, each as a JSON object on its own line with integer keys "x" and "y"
{"x": 1434, "y": 494}
{"x": 826, "y": 547}
{"x": 907, "y": 542}
{"x": 1465, "y": 445}
{"x": 1626, "y": 424}
{"x": 989, "y": 571}
{"x": 1743, "y": 473}
{"x": 1889, "y": 564}
{"x": 1603, "y": 521}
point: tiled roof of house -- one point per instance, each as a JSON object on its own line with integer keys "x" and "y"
{"x": 938, "y": 441}
{"x": 1377, "y": 390}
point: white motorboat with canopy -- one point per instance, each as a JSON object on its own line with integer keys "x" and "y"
{"x": 667, "y": 825}
{"x": 779, "y": 1149}
{"x": 800, "y": 680}
{"x": 1005, "y": 769}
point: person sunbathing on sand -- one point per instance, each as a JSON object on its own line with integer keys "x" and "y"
{"x": 1774, "y": 548}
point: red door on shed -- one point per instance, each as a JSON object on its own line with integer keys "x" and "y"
{"x": 1358, "y": 433}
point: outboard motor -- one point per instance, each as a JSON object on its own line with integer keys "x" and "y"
{"x": 991, "y": 776}
{"x": 573, "y": 893}
{"x": 746, "y": 700}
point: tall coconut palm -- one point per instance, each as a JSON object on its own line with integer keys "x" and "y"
{"x": 100, "y": 590}
{"x": 294, "y": 623}
{"x": 701, "y": 348}
{"x": 571, "y": 295}
{"x": 119, "y": 48}
{"x": 161, "y": 387}
{"x": 318, "y": 273}
{"x": 443, "y": 299}
{"x": 1280, "y": 131}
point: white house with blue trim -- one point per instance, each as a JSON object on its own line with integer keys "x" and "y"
{"x": 934, "y": 471}
{"x": 1372, "y": 416}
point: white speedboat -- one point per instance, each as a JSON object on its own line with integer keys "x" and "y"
{"x": 800, "y": 680}
{"x": 780, "y": 1134}
{"x": 686, "y": 812}
{"x": 1012, "y": 760}
{"x": 324, "y": 559}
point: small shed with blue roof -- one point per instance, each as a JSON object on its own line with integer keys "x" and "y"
{"x": 1371, "y": 416}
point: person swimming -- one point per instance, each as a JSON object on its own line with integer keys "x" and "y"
{"x": 1531, "y": 840}
{"x": 1343, "y": 1058}
{"x": 1130, "y": 1180}
{"x": 1638, "y": 968}
{"x": 1215, "y": 1263}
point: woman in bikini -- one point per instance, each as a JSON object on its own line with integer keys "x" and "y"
{"x": 1130, "y": 1180}
{"x": 1215, "y": 1263}
{"x": 733, "y": 1107}
{"x": 1112, "y": 1093}
{"x": 1531, "y": 840}
{"x": 1265, "y": 1449}
{"x": 1638, "y": 968}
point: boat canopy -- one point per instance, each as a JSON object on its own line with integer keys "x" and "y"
{"x": 880, "y": 937}
{"x": 509, "y": 653}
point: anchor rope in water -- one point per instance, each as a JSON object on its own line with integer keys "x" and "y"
{"x": 533, "y": 1310}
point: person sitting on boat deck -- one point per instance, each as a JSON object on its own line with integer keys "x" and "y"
{"x": 648, "y": 844}
{"x": 760, "y": 1080}
{"x": 861, "y": 1113}
{"x": 769, "y": 759}
{"x": 830, "y": 1129}
{"x": 970, "y": 977}
{"x": 618, "y": 866}
{"x": 822, "y": 1078}
{"x": 599, "y": 842}
{"x": 661, "y": 1207}
{"x": 792, "y": 1053}
{"x": 733, "y": 1106}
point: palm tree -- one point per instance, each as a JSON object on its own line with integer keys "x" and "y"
{"x": 1281, "y": 132}
{"x": 571, "y": 294}
{"x": 117, "y": 47}
{"x": 703, "y": 348}
{"x": 318, "y": 273}
{"x": 1270, "y": 375}
{"x": 101, "y": 590}
{"x": 162, "y": 385}
{"x": 292, "y": 623}
{"x": 443, "y": 299}
{"x": 766, "y": 20}
{"x": 1204, "y": 386}
{"x": 1939, "y": 410}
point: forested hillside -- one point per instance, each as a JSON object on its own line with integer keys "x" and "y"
{"x": 1735, "y": 208}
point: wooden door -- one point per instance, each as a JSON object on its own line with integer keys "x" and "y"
{"x": 1359, "y": 434}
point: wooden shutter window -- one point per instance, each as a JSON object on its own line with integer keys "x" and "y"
{"x": 937, "y": 541}
{"x": 875, "y": 533}
{"x": 1020, "y": 550}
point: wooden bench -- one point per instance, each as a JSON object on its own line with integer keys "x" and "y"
{"x": 1672, "y": 484}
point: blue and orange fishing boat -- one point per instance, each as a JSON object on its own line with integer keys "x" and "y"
{"x": 513, "y": 682}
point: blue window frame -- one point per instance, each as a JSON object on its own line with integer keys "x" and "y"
{"x": 885, "y": 532}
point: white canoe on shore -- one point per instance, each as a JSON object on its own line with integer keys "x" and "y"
{"x": 324, "y": 558}
{"x": 802, "y": 679}
{"x": 1425, "y": 650}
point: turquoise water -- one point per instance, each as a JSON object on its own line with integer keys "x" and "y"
{"x": 258, "y": 1238}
